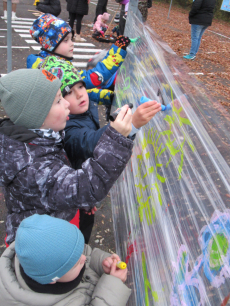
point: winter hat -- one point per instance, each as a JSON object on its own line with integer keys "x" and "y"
{"x": 49, "y": 31}
{"x": 105, "y": 16}
{"x": 66, "y": 73}
{"x": 47, "y": 247}
{"x": 27, "y": 96}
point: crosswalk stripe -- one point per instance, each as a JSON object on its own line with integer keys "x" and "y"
{"x": 79, "y": 64}
{"x": 20, "y": 22}
{"x": 22, "y": 31}
{"x": 84, "y": 44}
{"x": 20, "y": 27}
{"x": 37, "y": 48}
{"x": 25, "y": 35}
{"x": 23, "y": 19}
{"x": 81, "y": 56}
{"x": 15, "y": 47}
{"x": 30, "y": 41}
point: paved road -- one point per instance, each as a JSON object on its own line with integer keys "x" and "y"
{"x": 23, "y": 45}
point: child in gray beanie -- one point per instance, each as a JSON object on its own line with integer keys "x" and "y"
{"x": 48, "y": 264}
{"x": 35, "y": 172}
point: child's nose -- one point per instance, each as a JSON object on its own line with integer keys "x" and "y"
{"x": 67, "y": 104}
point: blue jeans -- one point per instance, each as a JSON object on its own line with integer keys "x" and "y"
{"x": 196, "y": 33}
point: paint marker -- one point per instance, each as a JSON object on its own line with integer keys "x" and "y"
{"x": 133, "y": 40}
{"x": 121, "y": 265}
{"x": 113, "y": 116}
{"x": 164, "y": 106}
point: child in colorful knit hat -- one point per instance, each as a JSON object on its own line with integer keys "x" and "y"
{"x": 35, "y": 172}
{"x": 49, "y": 31}
{"x": 48, "y": 264}
{"x": 83, "y": 132}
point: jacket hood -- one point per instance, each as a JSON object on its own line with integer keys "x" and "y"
{"x": 13, "y": 149}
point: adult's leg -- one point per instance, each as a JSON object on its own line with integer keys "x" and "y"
{"x": 202, "y": 29}
{"x": 14, "y": 6}
{"x": 104, "y": 9}
{"x": 100, "y": 8}
{"x": 78, "y": 25}
{"x": 4, "y": 6}
{"x": 71, "y": 19}
{"x": 195, "y": 32}
{"x": 122, "y": 21}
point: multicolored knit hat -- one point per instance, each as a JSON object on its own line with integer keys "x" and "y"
{"x": 49, "y": 31}
{"x": 63, "y": 70}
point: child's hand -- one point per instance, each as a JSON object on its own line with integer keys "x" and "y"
{"x": 119, "y": 273}
{"x": 123, "y": 122}
{"x": 122, "y": 42}
{"x": 145, "y": 112}
{"x": 92, "y": 211}
{"x": 107, "y": 262}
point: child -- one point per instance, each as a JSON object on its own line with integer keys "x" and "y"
{"x": 100, "y": 25}
{"x": 35, "y": 170}
{"x": 55, "y": 36}
{"x": 49, "y": 265}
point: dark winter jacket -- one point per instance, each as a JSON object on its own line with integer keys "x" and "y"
{"x": 38, "y": 178}
{"x": 202, "y": 12}
{"x": 82, "y": 134}
{"x": 49, "y": 6}
{"x": 78, "y": 6}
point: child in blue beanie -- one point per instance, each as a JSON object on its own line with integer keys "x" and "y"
{"x": 55, "y": 37}
{"x": 48, "y": 264}
{"x": 35, "y": 172}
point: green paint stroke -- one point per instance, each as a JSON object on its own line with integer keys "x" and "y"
{"x": 145, "y": 207}
{"x": 218, "y": 250}
{"x": 147, "y": 283}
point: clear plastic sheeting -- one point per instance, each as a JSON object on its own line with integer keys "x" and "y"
{"x": 170, "y": 205}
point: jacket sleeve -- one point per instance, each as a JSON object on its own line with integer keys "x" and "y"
{"x": 196, "y": 5}
{"x": 105, "y": 69}
{"x": 97, "y": 256}
{"x": 100, "y": 96}
{"x": 110, "y": 290}
{"x": 80, "y": 143}
{"x": 63, "y": 188}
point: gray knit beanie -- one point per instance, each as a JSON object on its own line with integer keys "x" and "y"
{"x": 27, "y": 96}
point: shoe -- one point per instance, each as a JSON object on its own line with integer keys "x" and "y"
{"x": 78, "y": 38}
{"x": 189, "y": 57}
{"x": 90, "y": 25}
{"x": 124, "y": 17}
{"x": 117, "y": 18}
{"x": 14, "y": 17}
{"x": 5, "y": 15}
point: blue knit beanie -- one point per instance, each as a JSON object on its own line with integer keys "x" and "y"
{"x": 49, "y": 31}
{"x": 47, "y": 247}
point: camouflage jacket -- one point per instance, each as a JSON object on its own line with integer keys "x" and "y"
{"x": 38, "y": 178}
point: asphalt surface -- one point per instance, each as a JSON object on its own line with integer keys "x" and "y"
{"x": 102, "y": 235}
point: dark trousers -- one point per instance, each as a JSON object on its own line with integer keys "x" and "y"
{"x": 72, "y": 17}
{"x": 86, "y": 225}
{"x": 100, "y": 8}
{"x": 122, "y": 20}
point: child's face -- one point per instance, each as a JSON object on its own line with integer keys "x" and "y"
{"x": 78, "y": 99}
{"x": 58, "y": 114}
{"x": 74, "y": 272}
{"x": 66, "y": 46}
